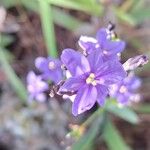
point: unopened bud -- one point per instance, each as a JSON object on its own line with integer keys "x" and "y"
{"x": 135, "y": 62}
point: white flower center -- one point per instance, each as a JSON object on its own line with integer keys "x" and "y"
{"x": 30, "y": 88}
{"x": 105, "y": 52}
{"x": 51, "y": 65}
{"x": 91, "y": 79}
{"x": 123, "y": 89}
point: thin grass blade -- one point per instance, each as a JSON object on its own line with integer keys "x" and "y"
{"x": 113, "y": 139}
{"x": 48, "y": 27}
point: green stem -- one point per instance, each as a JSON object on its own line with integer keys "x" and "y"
{"x": 93, "y": 116}
{"x": 48, "y": 27}
{"x": 12, "y": 77}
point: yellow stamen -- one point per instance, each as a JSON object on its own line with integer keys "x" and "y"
{"x": 91, "y": 80}
{"x": 94, "y": 83}
{"x": 92, "y": 75}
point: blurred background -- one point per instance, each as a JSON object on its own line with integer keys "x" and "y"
{"x": 32, "y": 28}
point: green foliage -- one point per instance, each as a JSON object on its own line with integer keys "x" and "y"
{"x": 133, "y": 14}
{"x": 6, "y": 40}
{"x": 113, "y": 138}
{"x": 111, "y": 135}
{"x": 124, "y": 113}
{"x": 48, "y": 27}
{"x": 125, "y": 17}
{"x": 14, "y": 80}
{"x": 141, "y": 15}
{"x": 140, "y": 12}
{"x": 12, "y": 77}
{"x": 70, "y": 23}
{"x": 91, "y": 7}
{"x": 8, "y": 3}
{"x": 86, "y": 142}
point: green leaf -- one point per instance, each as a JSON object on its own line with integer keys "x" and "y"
{"x": 72, "y": 4}
{"x": 86, "y": 141}
{"x": 67, "y": 4}
{"x": 9, "y": 56}
{"x": 123, "y": 16}
{"x": 13, "y": 78}
{"x": 30, "y": 4}
{"x": 124, "y": 113}
{"x": 113, "y": 138}
{"x": 139, "y": 12}
{"x": 70, "y": 23}
{"x": 137, "y": 5}
{"x": 6, "y": 40}
{"x": 48, "y": 27}
{"x": 141, "y": 15}
{"x": 8, "y": 3}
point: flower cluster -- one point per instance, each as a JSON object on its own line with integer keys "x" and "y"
{"x": 50, "y": 70}
{"x": 125, "y": 91}
{"x": 95, "y": 73}
{"x": 36, "y": 87}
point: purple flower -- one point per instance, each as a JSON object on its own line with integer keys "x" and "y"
{"x": 88, "y": 44}
{"x": 90, "y": 78}
{"x": 50, "y": 68}
{"x": 107, "y": 43}
{"x": 36, "y": 87}
{"x": 125, "y": 91}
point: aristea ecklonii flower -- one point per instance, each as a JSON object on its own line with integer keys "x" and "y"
{"x": 125, "y": 91}
{"x": 50, "y": 68}
{"x": 91, "y": 78}
{"x": 36, "y": 87}
{"x": 106, "y": 42}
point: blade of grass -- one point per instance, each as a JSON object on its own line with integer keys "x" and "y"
{"x": 126, "y": 5}
{"x": 137, "y": 6}
{"x": 86, "y": 142}
{"x": 67, "y": 4}
{"x": 97, "y": 113}
{"x": 96, "y": 10}
{"x": 13, "y": 78}
{"x": 141, "y": 15}
{"x": 8, "y": 3}
{"x": 123, "y": 16}
{"x": 6, "y": 40}
{"x": 94, "y": 7}
{"x": 48, "y": 27}
{"x": 70, "y": 22}
{"x": 113, "y": 138}
{"x": 124, "y": 113}
{"x": 31, "y": 5}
